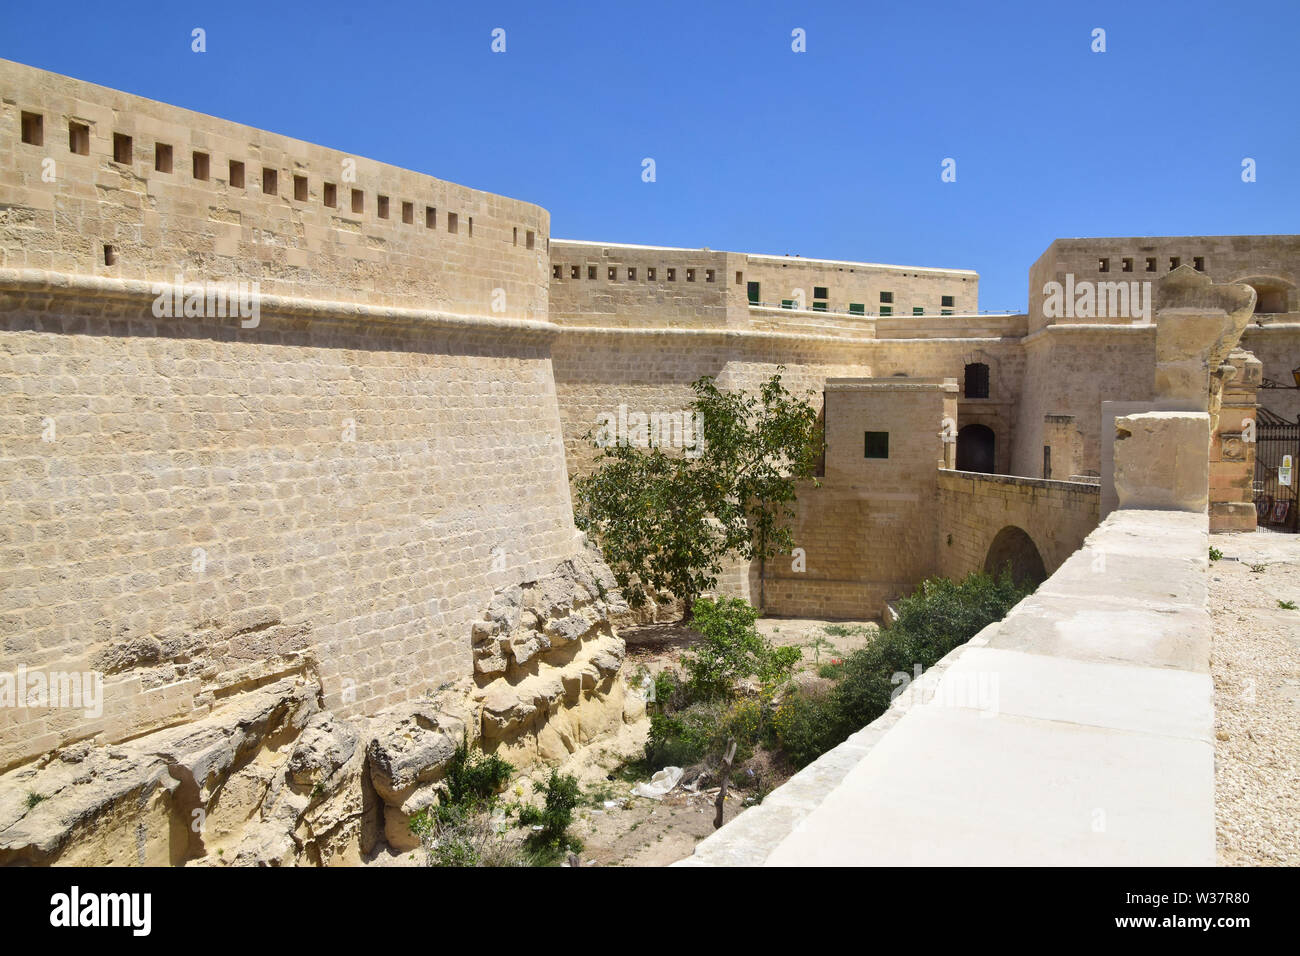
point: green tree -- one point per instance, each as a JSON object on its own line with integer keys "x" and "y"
{"x": 667, "y": 521}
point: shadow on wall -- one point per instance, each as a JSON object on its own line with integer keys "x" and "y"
{"x": 1014, "y": 549}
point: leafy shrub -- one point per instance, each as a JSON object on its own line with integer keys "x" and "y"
{"x": 832, "y": 671}
{"x": 562, "y": 796}
{"x": 699, "y": 732}
{"x": 938, "y": 617}
{"x": 458, "y": 836}
{"x": 802, "y": 727}
{"x": 846, "y": 630}
{"x": 731, "y": 650}
{"x": 473, "y": 777}
{"x": 683, "y": 737}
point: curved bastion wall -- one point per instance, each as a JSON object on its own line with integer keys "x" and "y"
{"x": 332, "y": 487}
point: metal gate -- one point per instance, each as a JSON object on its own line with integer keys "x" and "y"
{"x": 1277, "y": 455}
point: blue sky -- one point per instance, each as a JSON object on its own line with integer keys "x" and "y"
{"x": 831, "y": 153}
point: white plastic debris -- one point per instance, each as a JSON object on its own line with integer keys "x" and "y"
{"x": 662, "y": 782}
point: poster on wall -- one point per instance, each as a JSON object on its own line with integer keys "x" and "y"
{"x": 1284, "y": 471}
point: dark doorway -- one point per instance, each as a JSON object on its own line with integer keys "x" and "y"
{"x": 975, "y": 449}
{"x": 977, "y": 380}
{"x": 1014, "y": 550}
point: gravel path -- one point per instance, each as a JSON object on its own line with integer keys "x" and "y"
{"x": 1255, "y": 663}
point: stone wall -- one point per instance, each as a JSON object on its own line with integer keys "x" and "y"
{"x": 1069, "y": 371}
{"x": 862, "y": 283}
{"x": 973, "y": 509}
{"x": 183, "y": 500}
{"x": 234, "y": 203}
{"x": 1276, "y": 343}
{"x": 867, "y": 532}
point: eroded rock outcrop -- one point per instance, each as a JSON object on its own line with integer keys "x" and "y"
{"x": 266, "y": 777}
{"x": 548, "y": 663}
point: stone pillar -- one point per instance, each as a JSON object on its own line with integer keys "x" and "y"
{"x": 1232, "y": 448}
{"x": 1160, "y": 461}
{"x": 1162, "y": 458}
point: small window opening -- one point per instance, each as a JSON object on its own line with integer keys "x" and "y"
{"x": 33, "y": 129}
{"x": 79, "y": 139}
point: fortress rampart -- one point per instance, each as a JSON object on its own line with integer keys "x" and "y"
{"x": 351, "y": 487}
{"x": 98, "y": 182}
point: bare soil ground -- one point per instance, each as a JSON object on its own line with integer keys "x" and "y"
{"x": 1255, "y": 663}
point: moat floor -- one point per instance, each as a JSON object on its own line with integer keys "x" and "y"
{"x": 627, "y": 830}
{"x": 1255, "y": 663}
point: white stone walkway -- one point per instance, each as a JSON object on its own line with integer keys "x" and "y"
{"x": 1077, "y": 731}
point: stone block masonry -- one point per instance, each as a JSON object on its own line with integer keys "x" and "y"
{"x": 974, "y": 509}
{"x": 150, "y": 190}
{"x": 184, "y": 500}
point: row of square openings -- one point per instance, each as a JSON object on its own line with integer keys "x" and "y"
{"x": 821, "y": 302}
{"x": 651, "y": 273}
{"x": 1127, "y": 263}
{"x": 33, "y": 133}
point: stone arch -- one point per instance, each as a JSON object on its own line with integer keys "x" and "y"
{"x": 975, "y": 449}
{"x": 1013, "y": 547}
{"x": 1273, "y": 294}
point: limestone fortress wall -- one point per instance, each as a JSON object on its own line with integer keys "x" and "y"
{"x": 362, "y": 487}
{"x": 191, "y": 505}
